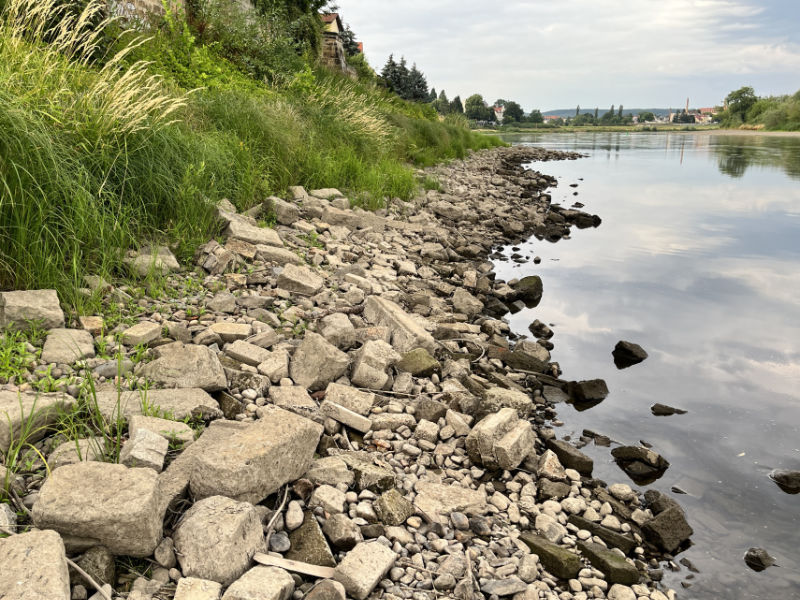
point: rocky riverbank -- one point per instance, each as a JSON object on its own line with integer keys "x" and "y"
{"x": 330, "y": 406}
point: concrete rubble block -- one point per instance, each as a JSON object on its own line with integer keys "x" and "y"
{"x": 363, "y": 567}
{"x": 327, "y": 589}
{"x": 550, "y": 528}
{"x": 371, "y": 364}
{"x": 438, "y": 500}
{"x": 240, "y": 228}
{"x": 549, "y": 467}
{"x": 143, "y": 332}
{"x": 261, "y": 583}
{"x": 407, "y": 333}
{"x": 427, "y": 430}
{"x": 294, "y": 398}
{"x": 612, "y": 539}
{"x": 557, "y": 560}
{"x": 31, "y": 413}
{"x": 34, "y": 567}
{"x": 144, "y": 449}
{"x": 247, "y": 353}
{"x": 309, "y": 544}
{"x": 300, "y": 280}
{"x": 338, "y": 330}
{"x": 466, "y": 303}
{"x": 487, "y": 432}
{"x": 285, "y": 212}
{"x": 157, "y": 260}
{"x": 65, "y": 346}
{"x": 170, "y": 430}
{"x": 515, "y": 445}
{"x": 275, "y": 366}
{"x": 613, "y": 566}
{"x": 330, "y": 470}
{"x": 329, "y": 498}
{"x": 223, "y": 302}
{"x": 279, "y": 256}
{"x": 351, "y": 398}
{"x": 193, "y": 588}
{"x": 256, "y": 461}
{"x": 230, "y": 332}
{"x": 393, "y": 421}
{"x": 217, "y": 538}
{"x": 393, "y": 508}
{"x": 369, "y": 472}
{"x": 342, "y": 531}
{"x": 496, "y": 398}
{"x": 571, "y": 457}
{"x": 419, "y": 363}
{"x": 345, "y": 416}
{"x": 21, "y": 309}
{"x": 94, "y": 503}
{"x": 669, "y": 529}
{"x": 186, "y": 366}
{"x": 73, "y": 451}
{"x": 316, "y": 362}
{"x": 176, "y": 403}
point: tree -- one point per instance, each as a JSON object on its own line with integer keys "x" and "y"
{"x": 620, "y": 111}
{"x": 475, "y": 108}
{"x": 536, "y": 116}
{"x": 456, "y": 106}
{"x": 646, "y": 117}
{"x": 432, "y": 96}
{"x": 442, "y": 104}
{"x": 595, "y": 114}
{"x": 513, "y": 112}
{"x": 417, "y": 85}
{"x": 740, "y": 101}
{"x": 349, "y": 41}
{"x": 578, "y": 110}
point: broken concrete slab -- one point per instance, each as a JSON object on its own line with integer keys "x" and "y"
{"x": 177, "y": 404}
{"x": 23, "y": 308}
{"x": 143, "y": 332}
{"x": 406, "y": 331}
{"x": 30, "y": 412}
{"x": 247, "y": 353}
{"x": 174, "y": 431}
{"x": 351, "y": 398}
{"x": 239, "y": 228}
{"x": 65, "y": 346}
{"x": 557, "y": 560}
{"x": 34, "y": 567}
{"x": 438, "y": 500}
{"x": 363, "y": 567}
{"x": 182, "y": 365}
{"x": 261, "y": 583}
{"x": 193, "y": 588}
{"x": 371, "y": 364}
{"x": 300, "y": 280}
{"x": 144, "y": 449}
{"x": 73, "y": 451}
{"x": 316, "y": 362}
{"x": 345, "y": 416}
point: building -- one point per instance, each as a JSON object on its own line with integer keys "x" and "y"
{"x": 333, "y": 54}
{"x": 499, "y": 112}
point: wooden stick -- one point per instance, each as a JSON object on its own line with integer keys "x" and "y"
{"x": 294, "y": 565}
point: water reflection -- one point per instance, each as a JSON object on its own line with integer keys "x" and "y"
{"x": 701, "y": 270}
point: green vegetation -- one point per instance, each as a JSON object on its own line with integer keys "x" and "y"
{"x": 748, "y": 111}
{"x": 107, "y": 145}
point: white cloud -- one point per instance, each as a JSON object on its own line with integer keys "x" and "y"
{"x": 554, "y": 54}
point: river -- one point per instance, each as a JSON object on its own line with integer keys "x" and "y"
{"x": 698, "y": 260}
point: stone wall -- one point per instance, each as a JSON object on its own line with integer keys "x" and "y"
{"x": 333, "y": 55}
{"x": 142, "y": 9}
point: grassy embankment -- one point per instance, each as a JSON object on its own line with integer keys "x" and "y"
{"x": 104, "y": 148}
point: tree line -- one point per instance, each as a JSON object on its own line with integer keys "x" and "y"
{"x": 744, "y": 108}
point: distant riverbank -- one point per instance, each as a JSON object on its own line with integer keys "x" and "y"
{"x": 668, "y": 128}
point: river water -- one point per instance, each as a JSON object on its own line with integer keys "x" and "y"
{"x": 697, "y": 260}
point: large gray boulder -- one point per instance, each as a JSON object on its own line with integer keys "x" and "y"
{"x": 186, "y": 366}
{"x": 438, "y": 500}
{"x": 256, "y": 461}
{"x": 240, "y": 228}
{"x": 20, "y": 309}
{"x": 34, "y": 567}
{"x": 371, "y": 365}
{"x": 29, "y": 414}
{"x": 94, "y": 503}
{"x": 501, "y": 440}
{"x": 300, "y": 280}
{"x": 173, "y": 404}
{"x": 407, "y": 333}
{"x": 496, "y": 398}
{"x": 65, "y": 346}
{"x": 217, "y": 538}
{"x": 316, "y": 362}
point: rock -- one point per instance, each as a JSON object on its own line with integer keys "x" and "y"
{"x": 611, "y": 538}
{"x": 34, "y": 567}
{"x": 31, "y": 412}
{"x": 175, "y": 404}
{"x": 500, "y": 440}
{"x": 641, "y": 464}
{"x": 662, "y": 410}
{"x": 261, "y": 583}
{"x": 294, "y": 515}
{"x": 342, "y": 531}
{"x": 614, "y": 567}
{"x": 788, "y": 481}
{"x": 240, "y": 229}
{"x": 466, "y": 303}
{"x": 345, "y": 416}
{"x": 186, "y": 366}
{"x": 369, "y": 473}
{"x": 550, "y": 467}
{"x": 419, "y": 363}
{"x": 285, "y": 213}
{"x": 496, "y": 398}
{"x": 363, "y": 567}
{"x": 279, "y": 256}
{"x": 438, "y": 500}
{"x": 627, "y": 354}
{"x": 293, "y": 398}
{"x": 98, "y": 563}
{"x": 570, "y": 457}
{"x": 329, "y": 498}
{"x": 326, "y": 589}
{"x": 528, "y": 568}
{"x": 73, "y": 451}
{"x": 330, "y": 470}
{"x": 300, "y": 280}
{"x": 93, "y": 503}
{"x": 406, "y": 332}
{"x": 351, "y": 398}
{"x": 20, "y": 309}
{"x": 276, "y": 366}
{"x": 165, "y": 553}
{"x": 192, "y": 588}
{"x": 393, "y": 508}
{"x": 668, "y": 530}
{"x": 529, "y": 289}
{"x": 592, "y": 390}
{"x": 223, "y": 302}
{"x": 550, "y": 528}
{"x": 8, "y": 518}
{"x": 338, "y": 330}
{"x": 173, "y": 431}
{"x": 371, "y": 363}
{"x": 231, "y": 332}
{"x": 316, "y": 362}
{"x": 557, "y": 560}
{"x": 65, "y": 346}
{"x": 621, "y": 592}
{"x": 144, "y": 449}
{"x": 528, "y": 356}
{"x": 142, "y": 333}
{"x": 218, "y": 527}
{"x": 92, "y": 323}
{"x": 758, "y": 559}
{"x": 429, "y": 410}
{"x": 309, "y": 544}
{"x": 255, "y": 462}
{"x": 149, "y": 261}
{"x": 504, "y": 587}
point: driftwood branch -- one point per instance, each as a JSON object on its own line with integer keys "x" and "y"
{"x": 271, "y": 524}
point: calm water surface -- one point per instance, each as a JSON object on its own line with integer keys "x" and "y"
{"x": 697, "y": 260}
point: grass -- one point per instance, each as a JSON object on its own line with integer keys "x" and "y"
{"x": 103, "y": 150}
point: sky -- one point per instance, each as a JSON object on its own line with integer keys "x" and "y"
{"x": 561, "y": 53}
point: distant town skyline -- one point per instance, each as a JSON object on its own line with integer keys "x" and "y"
{"x": 552, "y": 55}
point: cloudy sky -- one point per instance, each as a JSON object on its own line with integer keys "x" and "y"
{"x": 559, "y": 53}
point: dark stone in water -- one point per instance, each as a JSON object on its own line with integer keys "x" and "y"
{"x": 627, "y": 354}
{"x": 641, "y": 464}
{"x": 536, "y": 260}
{"x": 591, "y": 390}
{"x": 540, "y": 330}
{"x": 662, "y": 410}
{"x": 668, "y": 530}
{"x": 788, "y": 481}
{"x": 529, "y": 289}
{"x": 758, "y": 559}
{"x": 516, "y": 306}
